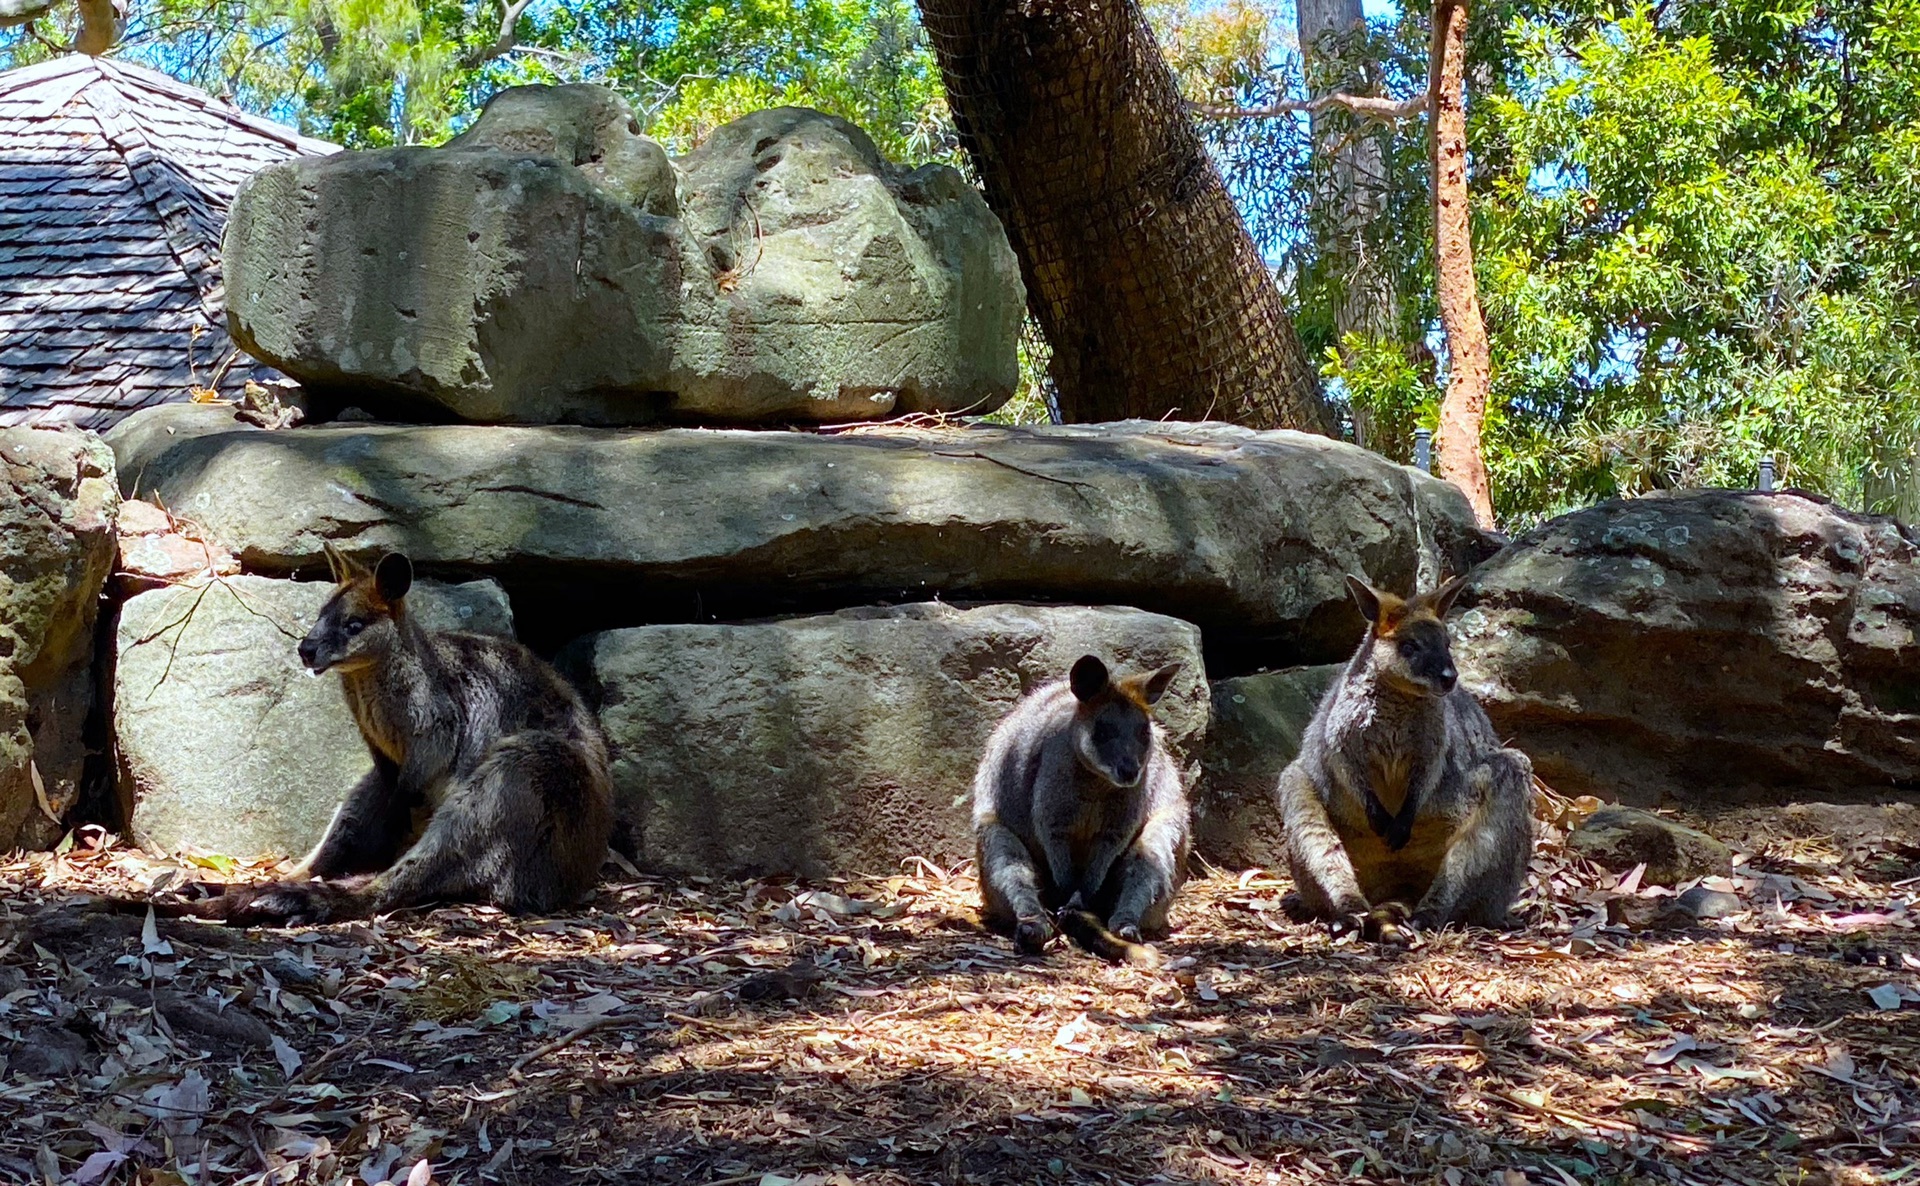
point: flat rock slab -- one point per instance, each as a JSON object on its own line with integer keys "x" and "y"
{"x": 550, "y": 265}
{"x": 58, "y": 498}
{"x": 1247, "y": 534}
{"x": 842, "y": 742}
{"x": 227, "y": 744}
{"x": 1711, "y": 647}
{"x": 1255, "y": 730}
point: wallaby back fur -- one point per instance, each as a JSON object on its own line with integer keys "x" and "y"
{"x": 490, "y": 775}
{"x": 1402, "y": 797}
{"x": 1078, "y": 808}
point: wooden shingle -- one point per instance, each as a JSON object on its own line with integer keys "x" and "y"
{"x": 114, "y": 186}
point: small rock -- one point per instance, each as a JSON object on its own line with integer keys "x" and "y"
{"x": 1618, "y": 838}
{"x": 137, "y": 517}
{"x": 51, "y": 1052}
{"x": 149, "y": 561}
{"x": 1703, "y": 903}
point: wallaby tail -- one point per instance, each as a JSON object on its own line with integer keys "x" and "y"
{"x": 276, "y": 903}
{"x": 1085, "y": 928}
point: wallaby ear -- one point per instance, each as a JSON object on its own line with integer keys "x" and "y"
{"x": 1442, "y": 598}
{"x": 1366, "y": 597}
{"x": 1158, "y": 683}
{"x": 1088, "y": 678}
{"x": 337, "y": 562}
{"x": 393, "y": 577}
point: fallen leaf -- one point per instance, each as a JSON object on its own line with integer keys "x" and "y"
{"x": 288, "y": 1058}
{"x": 1672, "y": 1050}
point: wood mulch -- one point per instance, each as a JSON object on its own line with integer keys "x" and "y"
{"x": 711, "y": 1032}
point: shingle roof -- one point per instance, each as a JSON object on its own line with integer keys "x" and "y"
{"x": 114, "y": 187}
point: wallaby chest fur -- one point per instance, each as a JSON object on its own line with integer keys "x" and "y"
{"x": 451, "y": 694}
{"x": 1402, "y": 792}
{"x": 1077, "y": 798}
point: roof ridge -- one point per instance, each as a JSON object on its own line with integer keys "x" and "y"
{"x": 160, "y": 186}
{"x": 147, "y": 78}
{"x": 129, "y": 73}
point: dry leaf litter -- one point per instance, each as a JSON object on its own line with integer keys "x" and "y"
{"x": 867, "y": 1031}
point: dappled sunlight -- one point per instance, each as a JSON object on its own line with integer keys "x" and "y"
{"x": 698, "y": 1030}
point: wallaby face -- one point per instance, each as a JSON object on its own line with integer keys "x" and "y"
{"x": 1410, "y": 646}
{"x": 357, "y": 625}
{"x": 1113, "y": 723}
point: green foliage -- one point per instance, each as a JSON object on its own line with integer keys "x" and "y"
{"x": 1698, "y": 242}
{"x": 370, "y": 73}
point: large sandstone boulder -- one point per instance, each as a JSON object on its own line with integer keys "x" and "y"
{"x": 57, "y": 503}
{"x": 550, "y": 265}
{"x": 1255, "y": 730}
{"x": 842, "y": 742}
{"x": 1710, "y": 647}
{"x": 1248, "y": 534}
{"x": 228, "y": 745}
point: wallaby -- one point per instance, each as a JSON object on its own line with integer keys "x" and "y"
{"x": 1402, "y": 795}
{"x": 489, "y": 777}
{"x": 1078, "y": 808}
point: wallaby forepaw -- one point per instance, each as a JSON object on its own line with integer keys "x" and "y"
{"x": 1031, "y": 935}
{"x": 1135, "y": 949}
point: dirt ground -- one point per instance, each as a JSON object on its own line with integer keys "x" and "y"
{"x": 866, "y": 1031}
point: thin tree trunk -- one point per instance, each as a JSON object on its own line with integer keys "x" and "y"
{"x": 1353, "y": 193}
{"x": 1463, "y": 411}
{"x": 1138, "y": 267}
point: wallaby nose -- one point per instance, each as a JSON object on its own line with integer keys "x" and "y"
{"x": 1126, "y": 772}
{"x": 309, "y": 652}
{"x": 1448, "y": 677}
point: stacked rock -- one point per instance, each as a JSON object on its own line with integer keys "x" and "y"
{"x": 591, "y": 381}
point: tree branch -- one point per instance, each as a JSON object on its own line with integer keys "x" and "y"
{"x": 101, "y": 24}
{"x": 1368, "y": 107}
{"x": 506, "y": 39}
{"x": 19, "y": 12}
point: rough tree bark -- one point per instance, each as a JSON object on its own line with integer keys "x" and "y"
{"x": 1463, "y": 410}
{"x": 1151, "y": 292}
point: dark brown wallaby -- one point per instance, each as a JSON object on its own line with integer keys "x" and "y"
{"x": 1078, "y": 809}
{"x": 489, "y": 777}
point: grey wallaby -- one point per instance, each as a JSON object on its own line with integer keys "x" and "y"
{"x": 1402, "y": 803}
{"x": 1078, "y": 809}
{"x": 490, "y": 775}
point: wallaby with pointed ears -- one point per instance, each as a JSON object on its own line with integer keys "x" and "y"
{"x": 1402, "y": 802}
{"x": 490, "y": 775}
{"x": 1078, "y": 809}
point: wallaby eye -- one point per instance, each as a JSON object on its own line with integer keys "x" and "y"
{"x": 1408, "y": 648}
{"x": 355, "y": 626}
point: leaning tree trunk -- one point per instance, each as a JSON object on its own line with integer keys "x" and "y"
{"x": 1153, "y": 296}
{"x": 1463, "y": 410}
